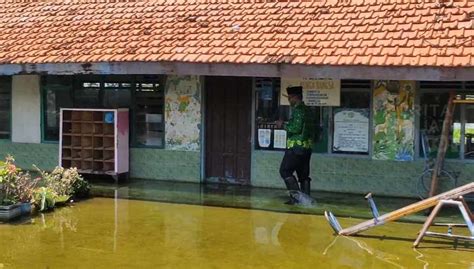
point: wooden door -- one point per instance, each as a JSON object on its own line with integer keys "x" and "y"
{"x": 228, "y": 129}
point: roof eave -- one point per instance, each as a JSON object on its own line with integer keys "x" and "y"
{"x": 432, "y": 73}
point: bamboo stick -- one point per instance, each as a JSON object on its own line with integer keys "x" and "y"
{"x": 471, "y": 215}
{"x": 410, "y": 209}
{"x": 427, "y": 224}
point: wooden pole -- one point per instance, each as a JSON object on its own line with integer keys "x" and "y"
{"x": 443, "y": 143}
{"x": 471, "y": 215}
{"x": 427, "y": 224}
{"x": 410, "y": 209}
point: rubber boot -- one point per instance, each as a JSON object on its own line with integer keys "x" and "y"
{"x": 306, "y": 187}
{"x": 291, "y": 185}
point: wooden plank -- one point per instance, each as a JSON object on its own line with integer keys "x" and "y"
{"x": 408, "y": 210}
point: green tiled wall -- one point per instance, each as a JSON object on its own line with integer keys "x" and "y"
{"x": 353, "y": 175}
{"x": 144, "y": 163}
{"x": 329, "y": 173}
{"x": 45, "y": 156}
{"x": 165, "y": 164}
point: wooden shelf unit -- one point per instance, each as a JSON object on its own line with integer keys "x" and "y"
{"x": 95, "y": 141}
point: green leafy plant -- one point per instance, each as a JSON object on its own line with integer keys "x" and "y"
{"x": 65, "y": 183}
{"x": 45, "y": 198}
{"x": 81, "y": 188}
{"x": 8, "y": 173}
{"x": 57, "y": 186}
{"x": 24, "y": 187}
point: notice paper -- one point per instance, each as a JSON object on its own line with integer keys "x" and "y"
{"x": 264, "y": 137}
{"x": 279, "y": 139}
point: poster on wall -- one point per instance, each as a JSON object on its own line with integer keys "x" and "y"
{"x": 183, "y": 113}
{"x": 316, "y": 92}
{"x": 264, "y": 137}
{"x": 351, "y": 130}
{"x": 279, "y": 139}
{"x": 394, "y": 120}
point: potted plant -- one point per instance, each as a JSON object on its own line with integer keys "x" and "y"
{"x": 59, "y": 186}
{"x": 16, "y": 190}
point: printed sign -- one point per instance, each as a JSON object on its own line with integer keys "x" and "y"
{"x": 264, "y": 137}
{"x": 279, "y": 139}
{"x": 351, "y": 130}
{"x": 316, "y": 92}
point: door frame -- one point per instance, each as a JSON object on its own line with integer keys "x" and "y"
{"x": 202, "y": 133}
{"x": 252, "y": 130}
{"x": 204, "y": 101}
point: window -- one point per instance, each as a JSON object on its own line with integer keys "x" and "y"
{"x": 433, "y": 103}
{"x": 117, "y": 94}
{"x": 5, "y": 106}
{"x": 467, "y": 131}
{"x": 268, "y": 110}
{"x": 103, "y": 91}
{"x": 87, "y": 94}
{"x": 57, "y": 92}
{"x": 143, "y": 95}
{"x": 149, "y": 109}
{"x": 350, "y": 121}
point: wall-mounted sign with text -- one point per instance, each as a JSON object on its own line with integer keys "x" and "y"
{"x": 316, "y": 92}
{"x": 351, "y": 130}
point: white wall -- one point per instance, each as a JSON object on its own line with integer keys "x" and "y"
{"x": 26, "y": 109}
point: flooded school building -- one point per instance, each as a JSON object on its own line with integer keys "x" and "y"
{"x": 204, "y": 82}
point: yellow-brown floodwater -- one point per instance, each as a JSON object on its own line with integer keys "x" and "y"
{"x": 121, "y": 233}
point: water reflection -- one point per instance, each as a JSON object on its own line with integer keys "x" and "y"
{"x": 268, "y": 235}
{"x": 342, "y": 205}
{"x": 356, "y": 249}
{"x": 420, "y": 257}
{"x": 395, "y": 250}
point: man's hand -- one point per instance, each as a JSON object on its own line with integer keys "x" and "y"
{"x": 279, "y": 123}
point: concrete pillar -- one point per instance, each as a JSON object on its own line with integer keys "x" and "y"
{"x": 26, "y": 109}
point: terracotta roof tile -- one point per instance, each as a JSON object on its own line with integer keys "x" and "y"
{"x": 361, "y": 32}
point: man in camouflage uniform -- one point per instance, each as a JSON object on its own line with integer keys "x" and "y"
{"x": 300, "y": 132}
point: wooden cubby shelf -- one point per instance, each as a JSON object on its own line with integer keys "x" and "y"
{"x": 66, "y": 163}
{"x": 91, "y": 142}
